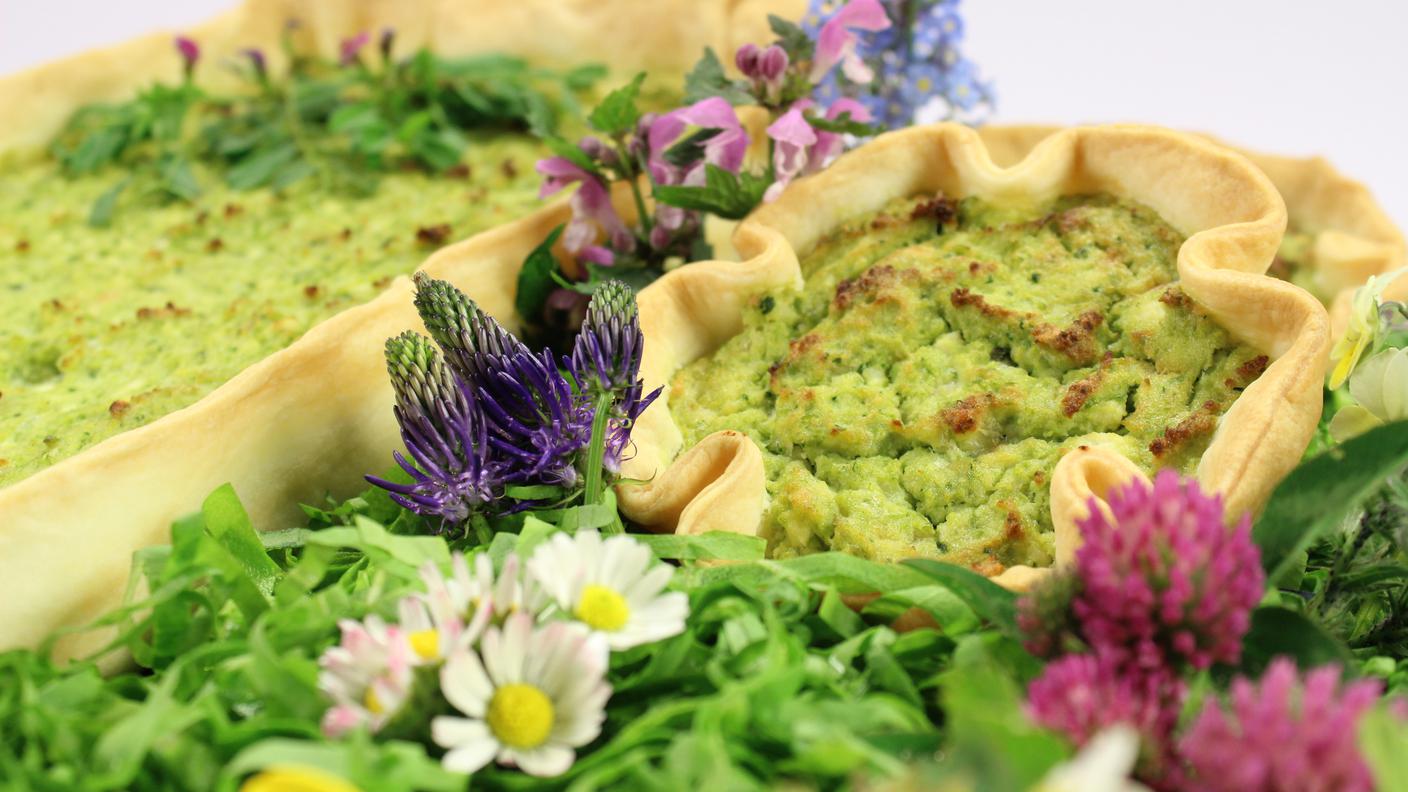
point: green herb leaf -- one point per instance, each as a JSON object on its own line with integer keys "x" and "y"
{"x": 794, "y": 40}
{"x": 711, "y": 546}
{"x": 1322, "y": 491}
{"x": 535, "y": 279}
{"x": 617, "y": 114}
{"x": 227, "y": 521}
{"x": 1381, "y": 739}
{"x": 260, "y": 167}
{"x": 845, "y": 125}
{"x": 725, "y": 194}
{"x": 100, "y": 216}
{"x": 1277, "y": 631}
{"x": 707, "y": 79}
{"x": 989, "y": 600}
{"x": 177, "y": 177}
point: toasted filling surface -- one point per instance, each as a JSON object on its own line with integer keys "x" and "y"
{"x": 108, "y": 329}
{"x": 912, "y": 399}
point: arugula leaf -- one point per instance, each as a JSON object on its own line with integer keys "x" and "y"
{"x": 535, "y": 279}
{"x": 712, "y": 546}
{"x": 989, "y": 600}
{"x": 617, "y": 114}
{"x": 707, "y": 79}
{"x": 845, "y": 125}
{"x": 1322, "y": 491}
{"x": 728, "y": 195}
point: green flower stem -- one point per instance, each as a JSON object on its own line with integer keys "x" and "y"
{"x": 596, "y": 452}
{"x": 482, "y": 531}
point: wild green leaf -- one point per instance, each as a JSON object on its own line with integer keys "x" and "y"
{"x": 227, "y": 521}
{"x": 707, "y": 79}
{"x": 792, "y": 38}
{"x": 711, "y": 546}
{"x": 1322, "y": 491}
{"x": 1382, "y": 736}
{"x": 725, "y": 194}
{"x": 617, "y": 113}
{"x": 845, "y": 125}
{"x": 1277, "y": 632}
{"x": 100, "y": 216}
{"x": 989, "y": 600}
{"x": 535, "y": 279}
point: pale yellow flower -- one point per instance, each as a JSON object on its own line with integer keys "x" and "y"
{"x": 1380, "y": 386}
{"x": 296, "y": 779}
{"x": 1363, "y": 329}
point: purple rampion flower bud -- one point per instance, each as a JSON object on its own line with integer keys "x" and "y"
{"x": 772, "y": 64}
{"x": 258, "y": 61}
{"x": 190, "y": 53}
{"x": 463, "y": 331}
{"x": 351, "y": 49}
{"x": 746, "y": 59}
{"x": 445, "y": 434}
{"x": 538, "y": 425}
{"x": 606, "y": 360}
{"x": 386, "y": 42}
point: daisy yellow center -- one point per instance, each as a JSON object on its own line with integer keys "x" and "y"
{"x": 602, "y": 609}
{"x": 426, "y": 643}
{"x": 520, "y": 716}
{"x": 372, "y": 702}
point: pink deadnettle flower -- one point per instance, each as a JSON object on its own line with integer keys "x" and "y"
{"x": 592, "y": 210}
{"x": 1166, "y": 582}
{"x": 1082, "y": 695}
{"x": 800, "y": 149}
{"x": 351, "y": 48}
{"x": 1287, "y": 733}
{"x": 725, "y": 149}
{"x": 836, "y": 43}
{"x": 189, "y": 51}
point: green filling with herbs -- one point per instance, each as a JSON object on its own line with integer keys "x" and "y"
{"x": 912, "y": 399}
{"x": 1295, "y": 262}
{"x": 108, "y": 329}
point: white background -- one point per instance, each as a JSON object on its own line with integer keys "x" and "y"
{"x": 1288, "y": 76}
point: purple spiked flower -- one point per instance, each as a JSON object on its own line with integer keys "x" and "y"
{"x": 1166, "y": 582}
{"x": 351, "y": 49}
{"x": 606, "y": 360}
{"x": 539, "y": 425}
{"x": 386, "y": 42}
{"x": 259, "y": 63}
{"x": 1080, "y": 695}
{"x": 190, "y": 54}
{"x": 445, "y": 434}
{"x": 1288, "y": 733}
{"x": 467, "y": 335}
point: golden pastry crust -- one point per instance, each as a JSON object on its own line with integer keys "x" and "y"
{"x": 311, "y": 419}
{"x": 1354, "y": 238}
{"x": 1230, "y": 212}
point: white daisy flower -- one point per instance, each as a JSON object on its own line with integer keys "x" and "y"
{"x": 507, "y": 592}
{"x": 435, "y": 627}
{"x": 538, "y": 694}
{"x": 368, "y": 675}
{"x": 610, "y": 586}
{"x": 1103, "y": 765}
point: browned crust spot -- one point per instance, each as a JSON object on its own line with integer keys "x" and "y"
{"x": 460, "y": 171}
{"x": 509, "y": 168}
{"x": 1174, "y": 297}
{"x": 1076, "y": 342}
{"x": 119, "y": 408}
{"x": 22, "y": 246}
{"x": 1199, "y": 423}
{"x": 1081, "y": 390}
{"x": 962, "y": 297}
{"x": 869, "y": 282}
{"x": 310, "y": 292}
{"x": 433, "y": 235}
{"x": 215, "y": 245}
{"x": 233, "y": 210}
{"x": 941, "y": 208}
{"x": 1249, "y": 371}
{"x": 170, "y": 310}
{"x": 964, "y": 415}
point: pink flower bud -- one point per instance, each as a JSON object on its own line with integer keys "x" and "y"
{"x": 190, "y": 53}
{"x": 746, "y": 59}
{"x": 772, "y": 64}
{"x": 351, "y": 48}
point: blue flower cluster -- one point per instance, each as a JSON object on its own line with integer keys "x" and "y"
{"x": 920, "y": 73}
{"x": 480, "y": 411}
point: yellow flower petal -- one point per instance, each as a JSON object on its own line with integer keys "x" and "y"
{"x": 296, "y": 779}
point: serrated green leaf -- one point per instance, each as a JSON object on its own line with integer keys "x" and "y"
{"x": 617, "y": 113}
{"x": 794, "y": 40}
{"x": 728, "y": 195}
{"x": 1322, "y": 491}
{"x": 708, "y": 79}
